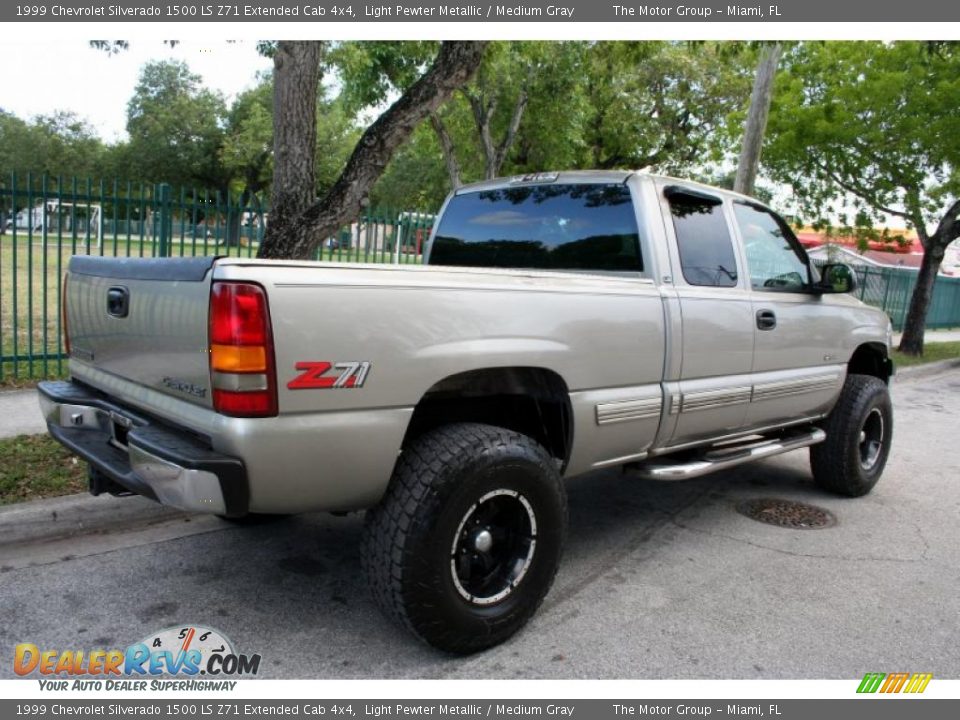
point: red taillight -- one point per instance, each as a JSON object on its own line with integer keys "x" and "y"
{"x": 238, "y": 315}
{"x": 241, "y": 351}
{"x": 63, "y": 310}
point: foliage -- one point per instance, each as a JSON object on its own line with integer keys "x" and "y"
{"x": 870, "y": 123}
{"x": 875, "y": 124}
{"x": 588, "y": 105}
{"x": 176, "y": 127}
{"x": 415, "y": 179}
{"x": 337, "y": 134}
{"x": 246, "y": 152}
{"x": 662, "y": 105}
{"x": 57, "y": 144}
{"x": 301, "y": 230}
{"x": 371, "y": 72}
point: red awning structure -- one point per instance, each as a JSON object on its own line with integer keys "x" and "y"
{"x": 811, "y": 239}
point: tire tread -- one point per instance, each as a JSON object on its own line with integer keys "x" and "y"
{"x": 410, "y": 502}
{"x": 833, "y": 464}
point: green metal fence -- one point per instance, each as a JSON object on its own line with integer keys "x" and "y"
{"x": 45, "y": 220}
{"x": 890, "y": 289}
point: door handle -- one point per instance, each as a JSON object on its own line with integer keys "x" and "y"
{"x": 766, "y": 319}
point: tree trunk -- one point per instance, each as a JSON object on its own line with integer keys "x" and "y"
{"x": 494, "y": 155}
{"x": 511, "y": 135}
{"x": 455, "y": 64}
{"x": 296, "y": 77}
{"x": 916, "y": 321}
{"x": 756, "y": 124}
{"x": 235, "y": 217}
{"x": 915, "y": 324}
{"x": 448, "y": 150}
{"x": 482, "y": 115}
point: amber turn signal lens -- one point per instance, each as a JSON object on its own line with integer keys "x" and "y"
{"x": 238, "y": 359}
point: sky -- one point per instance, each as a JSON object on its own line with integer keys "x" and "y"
{"x": 64, "y": 73}
{"x": 40, "y": 77}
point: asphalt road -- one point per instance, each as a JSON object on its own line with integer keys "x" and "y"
{"x": 658, "y": 580}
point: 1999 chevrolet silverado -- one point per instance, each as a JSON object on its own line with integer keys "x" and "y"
{"x": 562, "y": 323}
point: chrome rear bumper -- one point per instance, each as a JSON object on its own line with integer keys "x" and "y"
{"x": 141, "y": 454}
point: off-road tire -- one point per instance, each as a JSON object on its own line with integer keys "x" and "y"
{"x": 412, "y": 535}
{"x": 839, "y": 463}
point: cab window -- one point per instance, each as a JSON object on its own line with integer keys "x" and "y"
{"x": 703, "y": 238}
{"x": 774, "y": 258}
{"x": 587, "y": 227}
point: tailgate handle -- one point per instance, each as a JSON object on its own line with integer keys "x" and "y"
{"x": 118, "y": 302}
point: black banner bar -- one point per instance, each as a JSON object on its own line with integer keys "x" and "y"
{"x": 892, "y": 11}
{"x": 227, "y": 708}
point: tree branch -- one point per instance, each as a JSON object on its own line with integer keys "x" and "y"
{"x": 448, "y": 150}
{"x": 862, "y": 194}
{"x": 948, "y": 229}
{"x": 514, "y": 127}
{"x": 455, "y": 64}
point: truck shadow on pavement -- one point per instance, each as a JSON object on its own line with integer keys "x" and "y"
{"x": 292, "y": 590}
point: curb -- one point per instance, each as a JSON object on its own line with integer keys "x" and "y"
{"x": 926, "y": 369}
{"x": 58, "y": 518}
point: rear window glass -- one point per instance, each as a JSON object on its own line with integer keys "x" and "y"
{"x": 547, "y": 227}
{"x": 703, "y": 239}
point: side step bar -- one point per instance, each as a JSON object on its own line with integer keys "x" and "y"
{"x": 722, "y": 458}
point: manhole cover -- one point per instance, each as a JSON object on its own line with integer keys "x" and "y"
{"x": 787, "y": 513}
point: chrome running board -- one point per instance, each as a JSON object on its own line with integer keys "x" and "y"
{"x": 720, "y": 458}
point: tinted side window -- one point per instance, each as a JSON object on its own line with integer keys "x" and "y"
{"x": 548, "y": 227}
{"x": 703, "y": 238}
{"x": 772, "y": 257}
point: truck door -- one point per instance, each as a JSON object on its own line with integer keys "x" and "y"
{"x": 797, "y": 366}
{"x": 711, "y": 394}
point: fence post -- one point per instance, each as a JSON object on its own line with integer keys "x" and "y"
{"x": 166, "y": 220}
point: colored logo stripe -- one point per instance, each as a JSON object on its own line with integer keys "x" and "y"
{"x": 894, "y": 682}
{"x": 871, "y": 682}
{"x": 918, "y": 682}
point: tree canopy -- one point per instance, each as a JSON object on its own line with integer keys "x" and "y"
{"x": 874, "y": 125}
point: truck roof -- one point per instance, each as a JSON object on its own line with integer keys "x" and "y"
{"x": 586, "y": 177}
{"x": 578, "y": 177}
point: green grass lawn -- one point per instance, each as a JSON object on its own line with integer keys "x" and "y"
{"x": 36, "y": 466}
{"x": 932, "y": 352}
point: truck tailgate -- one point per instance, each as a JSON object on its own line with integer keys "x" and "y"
{"x": 144, "y": 320}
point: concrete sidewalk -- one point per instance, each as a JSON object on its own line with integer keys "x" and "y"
{"x": 20, "y": 414}
{"x": 933, "y": 336}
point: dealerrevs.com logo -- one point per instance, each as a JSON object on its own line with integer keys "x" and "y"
{"x": 181, "y": 652}
{"x": 888, "y": 683}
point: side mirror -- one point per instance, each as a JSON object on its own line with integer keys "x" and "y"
{"x": 837, "y": 278}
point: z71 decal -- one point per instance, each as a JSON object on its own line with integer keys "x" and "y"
{"x": 314, "y": 375}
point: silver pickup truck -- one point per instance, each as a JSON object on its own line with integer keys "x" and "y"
{"x": 562, "y": 323}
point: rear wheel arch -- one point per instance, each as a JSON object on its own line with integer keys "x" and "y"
{"x": 533, "y": 401}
